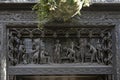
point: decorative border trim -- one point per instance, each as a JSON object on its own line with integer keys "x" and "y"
{"x": 60, "y": 70}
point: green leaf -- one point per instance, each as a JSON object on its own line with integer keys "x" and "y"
{"x": 71, "y": 2}
{"x": 65, "y": 9}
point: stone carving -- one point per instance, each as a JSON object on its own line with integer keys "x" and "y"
{"x": 92, "y": 50}
{"x": 44, "y": 56}
{"x": 81, "y": 50}
{"x": 60, "y": 70}
{"x": 87, "y": 46}
{"x": 57, "y": 51}
{"x": 21, "y": 53}
{"x": 96, "y": 17}
{"x": 107, "y": 47}
{"x": 70, "y": 53}
{"x": 13, "y": 46}
{"x": 35, "y": 52}
{"x": 99, "y": 52}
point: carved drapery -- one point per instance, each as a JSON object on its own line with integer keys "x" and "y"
{"x": 58, "y": 46}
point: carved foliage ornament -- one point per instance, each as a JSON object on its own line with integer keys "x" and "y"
{"x": 77, "y": 45}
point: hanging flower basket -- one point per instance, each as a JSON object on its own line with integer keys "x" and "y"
{"x": 58, "y": 9}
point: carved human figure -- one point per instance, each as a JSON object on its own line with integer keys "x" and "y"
{"x": 35, "y": 52}
{"x": 28, "y": 42}
{"x": 100, "y": 55}
{"x": 44, "y": 56}
{"x": 71, "y": 52}
{"x": 21, "y": 54}
{"x": 92, "y": 50}
{"x": 57, "y": 51}
{"x": 81, "y": 51}
{"x": 11, "y": 41}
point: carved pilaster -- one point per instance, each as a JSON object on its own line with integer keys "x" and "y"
{"x": 0, "y": 50}
{"x": 3, "y": 68}
{"x": 117, "y": 75}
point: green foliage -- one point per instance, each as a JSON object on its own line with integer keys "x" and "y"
{"x": 54, "y": 9}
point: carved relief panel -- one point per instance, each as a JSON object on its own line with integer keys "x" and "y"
{"x": 60, "y": 46}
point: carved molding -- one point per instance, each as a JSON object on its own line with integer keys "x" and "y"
{"x": 60, "y": 70}
{"x": 87, "y": 16}
{"x": 17, "y": 16}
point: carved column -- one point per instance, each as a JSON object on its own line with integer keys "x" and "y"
{"x": 3, "y": 68}
{"x": 117, "y": 67}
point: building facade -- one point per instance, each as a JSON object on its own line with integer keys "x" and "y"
{"x": 85, "y": 48}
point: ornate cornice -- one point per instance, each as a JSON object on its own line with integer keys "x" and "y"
{"x": 88, "y": 18}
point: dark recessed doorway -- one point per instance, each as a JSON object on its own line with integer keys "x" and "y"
{"x": 70, "y": 77}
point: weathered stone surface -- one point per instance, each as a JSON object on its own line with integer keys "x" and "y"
{"x": 59, "y": 70}
{"x": 3, "y": 67}
{"x": 117, "y": 30}
{"x": 88, "y": 18}
{"x": 0, "y": 54}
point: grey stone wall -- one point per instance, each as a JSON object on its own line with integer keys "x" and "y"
{"x": 88, "y": 18}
